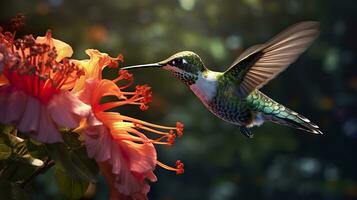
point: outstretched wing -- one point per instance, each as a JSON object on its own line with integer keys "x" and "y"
{"x": 261, "y": 63}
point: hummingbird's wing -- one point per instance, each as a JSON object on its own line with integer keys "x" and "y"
{"x": 260, "y": 63}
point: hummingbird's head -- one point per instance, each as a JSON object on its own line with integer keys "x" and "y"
{"x": 185, "y": 65}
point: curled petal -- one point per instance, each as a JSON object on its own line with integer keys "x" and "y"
{"x": 63, "y": 49}
{"x": 95, "y": 90}
{"x": 93, "y": 67}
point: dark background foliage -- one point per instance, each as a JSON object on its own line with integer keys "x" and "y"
{"x": 279, "y": 163}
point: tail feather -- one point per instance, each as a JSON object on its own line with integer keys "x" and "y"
{"x": 268, "y": 110}
{"x": 293, "y": 119}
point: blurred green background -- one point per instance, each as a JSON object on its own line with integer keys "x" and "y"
{"x": 220, "y": 163}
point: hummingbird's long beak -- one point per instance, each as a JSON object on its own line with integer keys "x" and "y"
{"x": 143, "y": 66}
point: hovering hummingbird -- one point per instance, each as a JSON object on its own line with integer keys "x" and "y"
{"x": 233, "y": 95}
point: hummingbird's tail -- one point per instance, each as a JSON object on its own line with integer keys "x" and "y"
{"x": 269, "y": 110}
{"x": 290, "y": 118}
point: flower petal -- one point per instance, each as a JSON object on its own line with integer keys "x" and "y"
{"x": 136, "y": 152}
{"x": 47, "y": 132}
{"x": 131, "y": 166}
{"x": 28, "y": 114}
{"x": 130, "y": 163}
{"x": 96, "y": 142}
{"x": 3, "y": 103}
{"x": 93, "y": 67}
{"x": 2, "y": 57}
{"x": 15, "y": 106}
{"x": 3, "y": 80}
{"x": 30, "y": 118}
{"x": 94, "y": 90}
{"x": 67, "y": 110}
{"x": 106, "y": 170}
{"x": 12, "y": 106}
{"x": 63, "y": 49}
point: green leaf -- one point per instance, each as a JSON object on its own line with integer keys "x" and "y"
{"x": 72, "y": 188}
{"x": 5, "y": 150}
{"x": 7, "y": 129}
{"x": 16, "y": 171}
{"x": 36, "y": 149}
{"x": 20, "y": 152}
{"x": 17, "y": 163}
{"x": 5, "y": 142}
{"x": 72, "y": 156}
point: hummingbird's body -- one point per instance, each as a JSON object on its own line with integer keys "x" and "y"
{"x": 233, "y": 95}
{"x": 215, "y": 92}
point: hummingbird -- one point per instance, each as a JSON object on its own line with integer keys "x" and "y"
{"x": 233, "y": 95}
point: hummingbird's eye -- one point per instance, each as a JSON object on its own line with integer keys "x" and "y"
{"x": 178, "y": 61}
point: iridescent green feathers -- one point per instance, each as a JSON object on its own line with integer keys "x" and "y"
{"x": 277, "y": 113}
{"x": 260, "y": 63}
{"x": 187, "y": 61}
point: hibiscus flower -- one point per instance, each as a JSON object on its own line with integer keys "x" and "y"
{"x": 126, "y": 156}
{"x": 34, "y": 86}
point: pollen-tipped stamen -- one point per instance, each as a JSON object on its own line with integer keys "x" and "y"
{"x": 121, "y": 77}
{"x": 179, "y": 167}
{"x": 32, "y": 66}
{"x": 170, "y": 140}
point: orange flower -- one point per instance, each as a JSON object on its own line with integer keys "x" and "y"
{"x": 42, "y": 90}
{"x": 36, "y": 77}
{"x": 126, "y": 156}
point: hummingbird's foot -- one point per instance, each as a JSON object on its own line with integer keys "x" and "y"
{"x": 245, "y": 131}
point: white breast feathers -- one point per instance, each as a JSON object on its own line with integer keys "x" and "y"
{"x": 206, "y": 86}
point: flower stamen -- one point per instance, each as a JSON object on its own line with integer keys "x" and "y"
{"x": 179, "y": 128}
{"x": 32, "y": 66}
{"x": 179, "y": 167}
{"x": 17, "y": 22}
{"x": 130, "y": 129}
{"x": 124, "y": 75}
